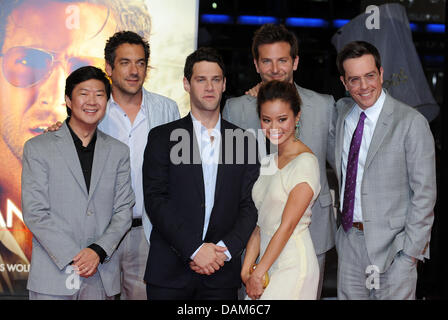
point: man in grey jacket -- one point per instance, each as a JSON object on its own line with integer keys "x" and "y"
{"x": 275, "y": 53}
{"x": 78, "y": 202}
{"x": 385, "y": 164}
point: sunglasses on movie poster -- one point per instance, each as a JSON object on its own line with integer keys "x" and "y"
{"x": 25, "y": 67}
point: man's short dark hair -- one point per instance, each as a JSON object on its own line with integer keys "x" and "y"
{"x": 271, "y": 33}
{"x": 120, "y": 38}
{"x": 202, "y": 54}
{"x": 356, "y": 49}
{"x": 279, "y": 90}
{"x": 83, "y": 74}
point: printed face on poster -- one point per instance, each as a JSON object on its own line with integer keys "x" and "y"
{"x": 41, "y": 42}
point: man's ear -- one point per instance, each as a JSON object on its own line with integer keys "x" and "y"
{"x": 186, "y": 85}
{"x": 295, "y": 63}
{"x": 381, "y": 74}
{"x": 108, "y": 70}
{"x": 256, "y": 66}
{"x": 68, "y": 102}
{"x": 343, "y": 82}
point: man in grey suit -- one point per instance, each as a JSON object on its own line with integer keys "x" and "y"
{"x": 385, "y": 164}
{"x": 275, "y": 52}
{"x": 78, "y": 202}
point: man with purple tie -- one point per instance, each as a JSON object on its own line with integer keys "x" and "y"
{"x": 385, "y": 164}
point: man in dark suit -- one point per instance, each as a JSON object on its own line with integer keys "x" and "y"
{"x": 198, "y": 174}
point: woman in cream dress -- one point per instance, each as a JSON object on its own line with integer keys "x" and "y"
{"x": 284, "y": 197}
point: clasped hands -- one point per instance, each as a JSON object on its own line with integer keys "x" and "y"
{"x": 209, "y": 259}
{"x": 254, "y": 283}
{"x": 86, "y": 262}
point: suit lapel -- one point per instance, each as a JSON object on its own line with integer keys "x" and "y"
{"x": 66, "y": 146}
{"x": 221, "y": 164}
{"x": 195, "y": 157}
{"x": 345, "y": 110}
{"x": 305, "y": 120}
{"x": 381, "y": 129}
{"x": 101, "y": 154}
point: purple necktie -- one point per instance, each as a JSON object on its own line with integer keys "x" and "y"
{"x": 350, "y": 175}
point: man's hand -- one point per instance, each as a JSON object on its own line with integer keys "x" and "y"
{"x": 222, "y": 257}
{"x": 209, "y": 259}
{"x": 54, "y": 127}
{"x": 253, "y": 91}
{"x": 87, "y": 262}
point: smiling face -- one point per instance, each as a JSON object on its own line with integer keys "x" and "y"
{"x": 129, "y": 71}
{"x": 44, "y": 42}
{"x": 205, "y": 87}
{"x": 363, "y": 80}
{"x": 88, "y": 104}
{"x": 275, "y": 62}
{"x": 278, "y": 121}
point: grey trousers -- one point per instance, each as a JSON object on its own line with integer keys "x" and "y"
{"x": 133, "y": 254}
{"x": 359, "y": 279}
{"x": 321, "y": 262}
{"x": 90, "y": 289}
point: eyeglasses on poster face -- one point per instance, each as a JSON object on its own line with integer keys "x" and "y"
{"x": 24, "y": 67}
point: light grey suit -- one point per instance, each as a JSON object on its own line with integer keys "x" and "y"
{"x": 64, "y": 218}
{"x": 317, "y": 132}
{"x": 398, "y": 192}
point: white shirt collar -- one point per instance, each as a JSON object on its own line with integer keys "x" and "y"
{"x": 372, "y": 113}
{"x": 201, "y": 131}
{"x": 114, "y": 104}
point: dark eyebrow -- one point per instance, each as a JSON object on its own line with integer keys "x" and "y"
{"x": 88, "y": 90}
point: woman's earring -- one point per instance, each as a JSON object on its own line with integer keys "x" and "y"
{"x": 297, "y": 132}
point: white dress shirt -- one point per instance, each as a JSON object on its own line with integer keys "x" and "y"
{"x": 351, "y": 121}
{"x": 209, "y": 147}
{"x": 156, "y": 110}
{"x": 134, "y": 135}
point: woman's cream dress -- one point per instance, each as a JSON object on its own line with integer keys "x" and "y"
{"x": 295, "y": 273}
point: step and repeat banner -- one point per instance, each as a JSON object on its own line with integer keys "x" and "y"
{"x": 41, "y": 42}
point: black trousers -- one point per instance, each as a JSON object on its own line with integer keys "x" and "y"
{"x": 195, "y": 290}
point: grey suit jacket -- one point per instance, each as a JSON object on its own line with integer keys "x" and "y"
{"x": 398, "y": 188}
{"x": 317, "y": 132}
{"x": 64, "y": 218}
